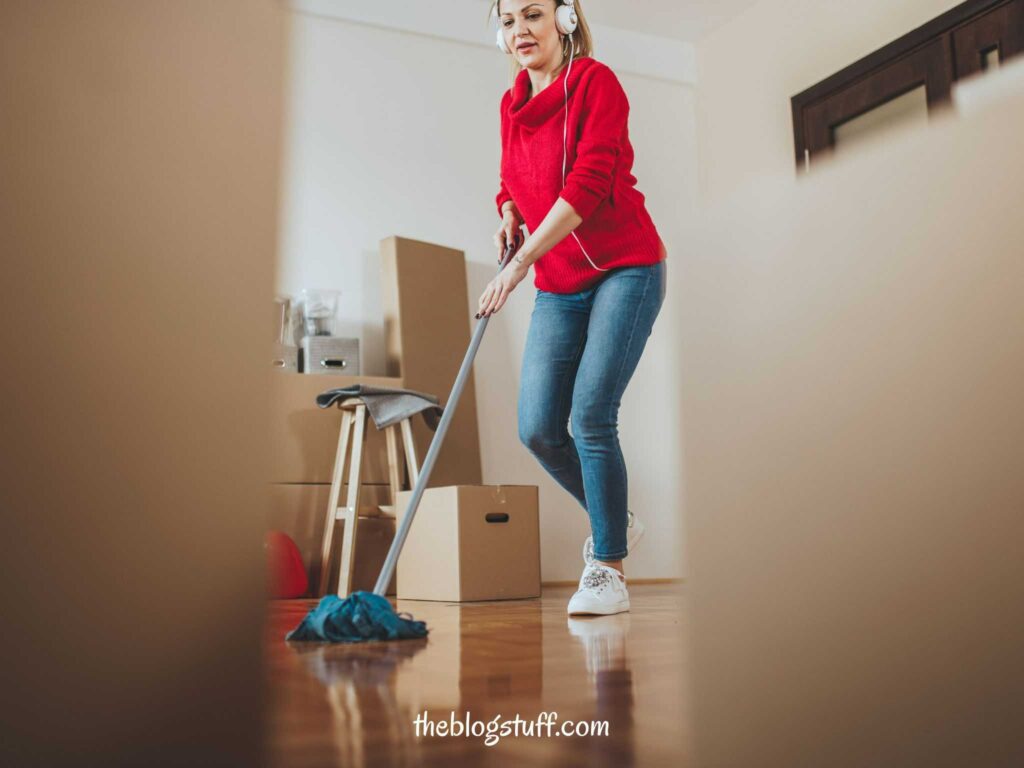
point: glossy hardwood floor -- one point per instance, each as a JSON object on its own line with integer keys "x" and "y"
{"x": 355, "y": 705}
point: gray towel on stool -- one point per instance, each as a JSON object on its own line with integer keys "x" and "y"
{"x": 387, "y": 405}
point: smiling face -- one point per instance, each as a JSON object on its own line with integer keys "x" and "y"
{"x": 530, "y": 31}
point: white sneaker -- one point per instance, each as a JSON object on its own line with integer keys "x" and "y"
{"x": 634, "y": 532}
{"x": 602, "y": 590}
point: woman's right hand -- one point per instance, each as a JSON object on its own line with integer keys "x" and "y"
{"x": 509, "y": 232}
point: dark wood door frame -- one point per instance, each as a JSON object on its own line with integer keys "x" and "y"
{"x": 934, "y": 55}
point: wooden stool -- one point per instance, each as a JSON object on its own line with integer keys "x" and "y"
{"x": 354, "y": 413}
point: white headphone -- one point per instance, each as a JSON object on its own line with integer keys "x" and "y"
{"x": 565, "y": 22}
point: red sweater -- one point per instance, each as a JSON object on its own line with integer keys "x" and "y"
{"x": 616, "y": 230}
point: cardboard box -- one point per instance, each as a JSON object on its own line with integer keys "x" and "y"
{"x": 304, "y": 437}
{"x": 373, "y": 540}
{"x": 299, "y": 510}
{"x": 427, "y": 330}
{"x": 471, "y": 542}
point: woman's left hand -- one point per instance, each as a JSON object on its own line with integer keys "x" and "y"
{"x": 497, "y": 291}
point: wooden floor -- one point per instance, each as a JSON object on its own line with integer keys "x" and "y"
{"x": 355, "y": 705}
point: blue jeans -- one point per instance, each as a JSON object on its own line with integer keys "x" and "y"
{"x": 581, "y": 351}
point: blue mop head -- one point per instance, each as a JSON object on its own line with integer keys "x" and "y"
{"x": 359, "y": 617}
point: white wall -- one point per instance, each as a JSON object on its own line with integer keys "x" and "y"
{"x": 749, "y": 68}
{"x": 397, "y": 133}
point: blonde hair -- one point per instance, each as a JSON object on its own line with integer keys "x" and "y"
{"x": 581, "y": 42}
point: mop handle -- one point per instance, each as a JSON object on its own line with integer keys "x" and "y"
{"x": 435, "y": 447}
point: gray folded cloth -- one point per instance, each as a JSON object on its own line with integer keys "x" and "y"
{"x": 387, "y": 405}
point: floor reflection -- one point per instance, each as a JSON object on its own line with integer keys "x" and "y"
{"x": 604, "y": 640}
{"x": 359, "y": 681}
{"x": 356, "y": 705}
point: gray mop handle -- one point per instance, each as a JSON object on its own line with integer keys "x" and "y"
{"x": 388, "y": 569}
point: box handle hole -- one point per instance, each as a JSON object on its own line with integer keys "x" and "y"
{"x": 497, "y": 517}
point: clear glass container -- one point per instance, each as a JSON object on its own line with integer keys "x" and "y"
{"x": 319, "y": 310}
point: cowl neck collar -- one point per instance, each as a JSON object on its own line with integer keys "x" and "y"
{"x": 538, "y": 110}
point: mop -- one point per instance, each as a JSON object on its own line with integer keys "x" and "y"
{"x": 366, "y": 616}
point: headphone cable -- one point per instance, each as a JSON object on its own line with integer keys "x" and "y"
{"x": 565, "y": 151}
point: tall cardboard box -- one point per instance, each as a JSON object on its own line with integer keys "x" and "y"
{"x": 471, "y": 542}
{"x": 427, "y": 329}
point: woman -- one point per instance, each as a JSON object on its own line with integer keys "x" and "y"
{"x": 566, "y": 170}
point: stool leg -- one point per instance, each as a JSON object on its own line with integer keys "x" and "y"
{"x": 332, "y": 503}
{"x": 348, "y": 540}
{"x": 410, "y": 453}
{"x": 391, "y": 433}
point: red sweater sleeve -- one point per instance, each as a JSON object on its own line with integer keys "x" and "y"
{"x": 503, "y": 194}
{"x": 503, "y": 197}
{"x": 602, "y": 125}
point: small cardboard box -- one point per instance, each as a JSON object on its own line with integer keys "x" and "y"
{"x": 299, "y": 510}
{"x": 471, "y": 542}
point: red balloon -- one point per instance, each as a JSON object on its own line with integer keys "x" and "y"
{"x": 286, "y": 575}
